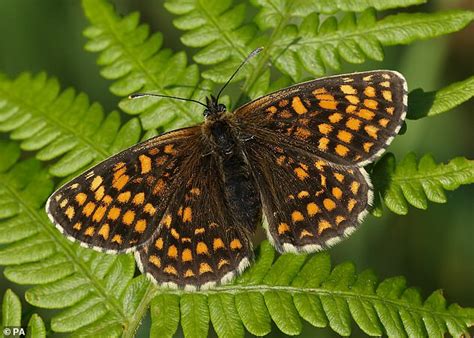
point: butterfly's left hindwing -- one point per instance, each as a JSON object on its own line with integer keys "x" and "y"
{"x": 114, "y": 206}
{"x": 309, "y": 203}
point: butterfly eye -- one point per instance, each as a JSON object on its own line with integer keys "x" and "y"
{"x": 221, "y": 107}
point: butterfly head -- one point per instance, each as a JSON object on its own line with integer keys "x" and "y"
{"x": 213, "y": 108}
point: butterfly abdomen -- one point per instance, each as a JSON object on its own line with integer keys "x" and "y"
{"x": 240, "y": 190}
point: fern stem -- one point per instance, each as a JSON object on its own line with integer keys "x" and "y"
{"x": 263, "y": 288}
{"x": 264, "y": 56}
{"x": 131, "y": 328}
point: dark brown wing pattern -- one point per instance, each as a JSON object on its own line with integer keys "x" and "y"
{"x": 309, "y": 203}
{"x": 346, "y": 119}
{"x": 200, "y": 242}
{"x": 116, "y": 205}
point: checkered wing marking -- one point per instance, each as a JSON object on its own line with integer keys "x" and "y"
{"x": 309, "y": 203}
{"x": 200, "y": 242}
{"x": 348, "y": 119}
{"x": 114, "y": 206}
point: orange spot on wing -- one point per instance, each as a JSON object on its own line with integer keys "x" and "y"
{"x": 323, "y": 144}
{"x": 305, "y": 233}
{"x": 172, "y": 252}
{"x": 335, "y": 118}
{"x": 138, "y": 199}
{"x": 339, "y": 177}
{"x": 218, "y": 244}
{"x": 128, "y": 217}
{"x": 340, "y": 219}
{"x": 352, "y": 99}
{"x": 387, "y": 95}
{"x": 371, "y": 131}
{"x": 189, "y": 273}
{"x": 156, "y": 261}
{"x": 336, "y": 192}
{"x": 385, "y": 84}
{"x": 341, "y": 150}
{"x": 77, "y": 226}
{"x": 148, "y": 208}
{"x": 235, "y": 244}
{"x": 298, "y": 106}
{"x": 140, "y": 226}
{"x": 367, "y": 146}
{"x": 170, "y": 270}
{"x": 222, "y": 262}
{"x": 159, "y": 243}
{"x": 104, "y": 231}
{"x": 371, "y": 104}
{"x": 302, "y": 133}
{"x": 99, "y": 213}
{"x": 355, "y": 187}
{"x": 366, "y": 114}
{"x": 390, "y": 110}
{"x": 348, "y": 89}
{"x": 160, "y": 184}
{"x": 99, "y": 193}
{"x": 88, "y": 209}
{"x": 369, "y": 91}
{"x": 96, "y": 182}
{"x": 169, "y": 149}
{"x": 120, "y": 182}
{"x": 124, "y": 197}
{"x": 114, "y": 213}
{"x": 344, "y": 136}
{"x": 69, "y": 212}
{"x": 297, "y": 216}
{"x": 202, "y": 249}
{"x": 312, "y": 209}
{"x": 204, "y": 267}
{"x": 89, "y": 231}
{"x": 351, "y": 204}
{"x": 323, "y": 225}
{"x": 145, "y": 163}
{"x": 331, "y": 105}
{"x": 353, "y": 123}
{"x": 329, "y": 204}
{"x": 301, "y": 173}
{"x": 384, "y": 122}
{"x": 324, "y": 128}
{"x": 303, "y": 194}
{"x": 81, "y": 198}
{"x": 282, "y": 228}
{"x": 187, "y": 214}
{"x": 187, "y": 255}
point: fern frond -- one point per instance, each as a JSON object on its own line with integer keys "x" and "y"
{"x": 219, "y": 28}
{"x": 273, "y": 12}
{"x": 61, "y": 125}
{"x": 316, "y": 47}
{"x": 421, "y": 104}
{"x": 136, "y": 61}
{"x": 296, "y": 287}
{"x": 90, "y": 288}
{"x": 308, "y": 46}
{"x": 11, "y": 316}
{"x": 417, "y": 182}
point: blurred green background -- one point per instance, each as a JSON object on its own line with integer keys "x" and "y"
{"x": 433, "y": 249}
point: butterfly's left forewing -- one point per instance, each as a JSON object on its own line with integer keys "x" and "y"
{"x": 114, "y": 206}
{"x": 348, "y": 119}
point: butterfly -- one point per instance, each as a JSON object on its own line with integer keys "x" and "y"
{"x": 188, "y": 202}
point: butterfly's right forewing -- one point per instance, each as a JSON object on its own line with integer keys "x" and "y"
{"x": 116, "y": 205}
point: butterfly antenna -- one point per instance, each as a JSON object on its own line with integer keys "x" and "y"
{"x": 138, "y": 95}
{"x": 251, "y": 55}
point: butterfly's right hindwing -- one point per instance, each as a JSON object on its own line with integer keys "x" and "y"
{"x": 114, "y": 206}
